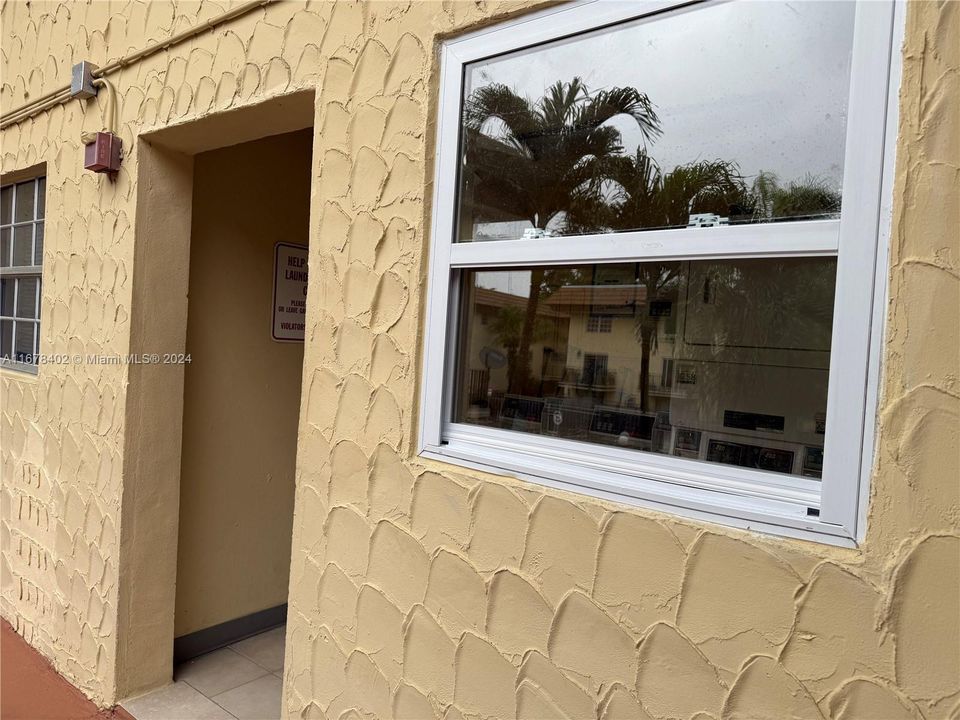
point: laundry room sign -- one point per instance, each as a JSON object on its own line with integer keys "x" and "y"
{"x": 289, "y": 292}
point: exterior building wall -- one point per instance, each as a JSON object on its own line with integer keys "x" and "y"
{"x": 418, "y": 589}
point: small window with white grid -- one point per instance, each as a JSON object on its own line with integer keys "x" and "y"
{"x": 599, "y": 324}
{"x": 21, "y": 257}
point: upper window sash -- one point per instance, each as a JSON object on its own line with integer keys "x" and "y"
{"x": 662, "y": 131}
{"x": 22, "y": 209}
{"x": 852, "y": 239}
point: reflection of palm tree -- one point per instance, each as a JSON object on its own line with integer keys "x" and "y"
{"x": 647, "y": 198}
{"x": 550, "y": 154}
{"x": 507, "y": 328}
{"x": 812, "y": 197}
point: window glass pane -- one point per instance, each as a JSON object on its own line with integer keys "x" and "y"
{"x": 23, "y": 342}
{"x": 731, "y": 113}
{"x": 7, "y": 287}
{"x": 27, "y": 297}
{"x": 24, "y": 201}
{"x": 41, "y": 196}
{"x": 5, "y": 239}
{"x": 23, "y": 245}
{"x": 6, "y": 339}
{"x": 38, "y": 246}
{"x": 6, "y": 204}
{"x": 721, "y": 361}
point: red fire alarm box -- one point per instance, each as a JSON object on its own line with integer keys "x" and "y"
{"x": 103, "y": 154}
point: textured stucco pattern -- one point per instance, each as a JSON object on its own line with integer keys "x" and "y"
{"x": 421, "y": 590}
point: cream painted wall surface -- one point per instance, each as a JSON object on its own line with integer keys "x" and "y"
{"x": 242, "y": 388}
{"x": 418, "y": 589}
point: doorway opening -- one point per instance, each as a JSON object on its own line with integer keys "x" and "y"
{"x": 220, "y": 282}
{"x": 240, "y": 414}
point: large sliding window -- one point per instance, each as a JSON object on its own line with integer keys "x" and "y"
{"x": 22, "y": 208}
{"x": 655, "y": 241}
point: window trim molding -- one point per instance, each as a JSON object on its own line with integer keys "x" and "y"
{"x": 881, "y": 270}
{"x": 858, "y": 318}
{"x": 23, "y": 174}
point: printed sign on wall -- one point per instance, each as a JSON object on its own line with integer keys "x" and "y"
{"x": 289, "y": 292}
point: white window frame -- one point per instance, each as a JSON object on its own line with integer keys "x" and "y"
{"x": 599, "y": 324}
{"x": 831, "y": 510}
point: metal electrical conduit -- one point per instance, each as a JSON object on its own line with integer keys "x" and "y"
{"x": 62, "y": 94}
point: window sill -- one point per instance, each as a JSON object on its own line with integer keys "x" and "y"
{"x": 19, "y": 371}
{"x": 644, "y": 486}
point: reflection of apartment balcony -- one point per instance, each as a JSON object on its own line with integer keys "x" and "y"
{"x": 664, "y": 386}
{"x": 657, "y": 385}
{"x": 576, "y": 379}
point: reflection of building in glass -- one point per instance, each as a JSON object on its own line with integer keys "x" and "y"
{"x": 718, "y": 387}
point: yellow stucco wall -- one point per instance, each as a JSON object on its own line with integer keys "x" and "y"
{"x": 418, "y": 589}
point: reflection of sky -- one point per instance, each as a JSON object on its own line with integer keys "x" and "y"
{"x": 514, "y": 282}
{"x": 762, "y": 83}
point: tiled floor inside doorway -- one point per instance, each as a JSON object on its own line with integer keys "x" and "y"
{"x": 239, "y": 682}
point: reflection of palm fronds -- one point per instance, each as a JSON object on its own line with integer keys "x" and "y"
{"x": 643, "y": 196}
{"x": 550, "y": 151}
{"x": 507, "y": 327}
{"x": 811, "y": 197}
